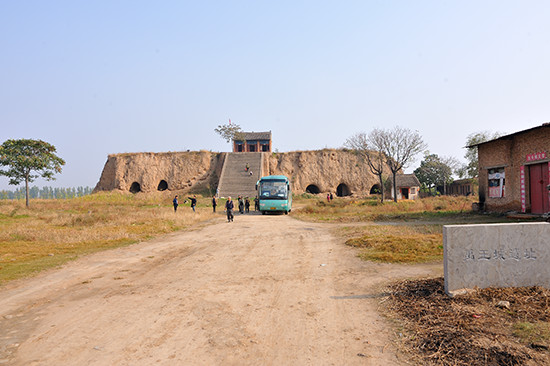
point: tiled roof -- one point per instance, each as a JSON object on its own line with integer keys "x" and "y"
{"x": 250, "y": 136}
{"x": 407, "y": 180}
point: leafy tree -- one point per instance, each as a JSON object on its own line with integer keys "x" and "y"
{"x": 370, "y": 148}
{"x": 471, "y": 169}
{"x": 435, "y": 170}
{"x": 400, "y": 146}
{"x": 229, "y": 131}
{"x": 25, "y": 156}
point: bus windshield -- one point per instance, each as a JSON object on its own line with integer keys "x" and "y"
{"x": 273, "y": 189}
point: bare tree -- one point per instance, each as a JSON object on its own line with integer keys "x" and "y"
{"x": 399, "y": 145}
{"x": 454, "y": 166}
{"x": 370, "y": 148}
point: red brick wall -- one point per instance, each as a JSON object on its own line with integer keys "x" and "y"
{"x": 511, "y": 153}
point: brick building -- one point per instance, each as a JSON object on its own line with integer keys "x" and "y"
{"x": 514, "y": 170}
{"x": 459, "y": 187}
{"x": 253, "y": 142}
{"x": 408, "y": 186}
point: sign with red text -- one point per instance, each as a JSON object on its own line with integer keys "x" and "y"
{"x": 535, "y": 156}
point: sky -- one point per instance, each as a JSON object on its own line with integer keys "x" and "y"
{"x": 102, "y": 77}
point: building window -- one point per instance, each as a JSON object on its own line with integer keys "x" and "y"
{"x": 496, "y": 182}
{"x": 413, "y": 190}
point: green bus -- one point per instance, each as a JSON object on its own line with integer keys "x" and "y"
{"x": 274, "y": 194}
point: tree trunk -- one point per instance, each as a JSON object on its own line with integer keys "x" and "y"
{"x": 394, "y": 186}
{"x": 27, "y": 190}
{"x": 381, "y": 188}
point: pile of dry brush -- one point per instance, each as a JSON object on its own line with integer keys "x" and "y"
{"x": 469, "y": 329}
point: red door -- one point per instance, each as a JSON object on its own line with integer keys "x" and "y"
{"x": 538, "y": 180}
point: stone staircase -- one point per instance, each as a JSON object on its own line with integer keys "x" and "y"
{"x": 234, "y": 180}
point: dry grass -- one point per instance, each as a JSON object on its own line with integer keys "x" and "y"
{"x": 396, "y": 244}
{"x": 402, "y": 232}
{"x": 52, "y": 232}
{"x": 471, "y": 329}
{"x": 370, "y": 209}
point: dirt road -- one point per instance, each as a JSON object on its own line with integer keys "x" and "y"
{"x": 264, "y": 290}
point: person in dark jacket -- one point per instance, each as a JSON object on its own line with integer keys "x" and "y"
{"x": 193, "y": 202}
{"x": 256, "y": 204}
{"x": 214, "y": 203}
{"x": 229, "y": 206}
{"x": 241, "y": 205}
{"x": 247, "y": 205}
{"x": 175, "y": 202}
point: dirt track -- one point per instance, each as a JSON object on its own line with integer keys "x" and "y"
{"x": 264, "y": 290}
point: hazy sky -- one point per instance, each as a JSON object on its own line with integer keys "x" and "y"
{"x": 101, "y": 77}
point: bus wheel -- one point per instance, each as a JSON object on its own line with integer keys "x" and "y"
{"x": 286, "y": 212}
{"x": 263, "y": 212}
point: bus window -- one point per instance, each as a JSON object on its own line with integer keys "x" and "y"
{"x": 273, "y": 189}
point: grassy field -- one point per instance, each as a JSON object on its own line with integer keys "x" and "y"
{"x": 53, "y": 232}
{"x": 315, "y": 209}
{"x": 395, "y": 232}
{"x": 396, "y": 244}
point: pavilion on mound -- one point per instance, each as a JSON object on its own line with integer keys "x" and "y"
{"x": 252, "y": 142}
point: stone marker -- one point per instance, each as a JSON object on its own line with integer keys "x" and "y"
{"x": 496, "y": 255}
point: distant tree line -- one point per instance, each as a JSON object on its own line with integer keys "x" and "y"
{"x": 45, "y": 193}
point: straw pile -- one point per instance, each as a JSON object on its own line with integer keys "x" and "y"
{"x": 478, "y": 328}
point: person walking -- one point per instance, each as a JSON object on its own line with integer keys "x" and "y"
{"x": 241, "y": 205}
{"x": 229, "y": 206}
{"x": 247, "y": 167}
{"x": 193, "y": 202}
{"x": 247, "y": 205}
{"x": 256, "y": 204}
{"x": 328, "y": 197}
{"x": 175, "y": 202}
{"x": 331, "y": 196}
{"x": 214, "y": 203}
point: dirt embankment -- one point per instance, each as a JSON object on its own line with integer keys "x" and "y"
{"x": 328, "y": 170}
{"x": 265, "y": 290}
{"x": 150, "y": 172}
{"x": 319, "y": 171}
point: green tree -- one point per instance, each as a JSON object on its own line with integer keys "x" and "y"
{"x": 471, "y": 169}
{"x": 229, "y": 131}
{"x": 435, "y": 170}
{"x": 25, "y": 156}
